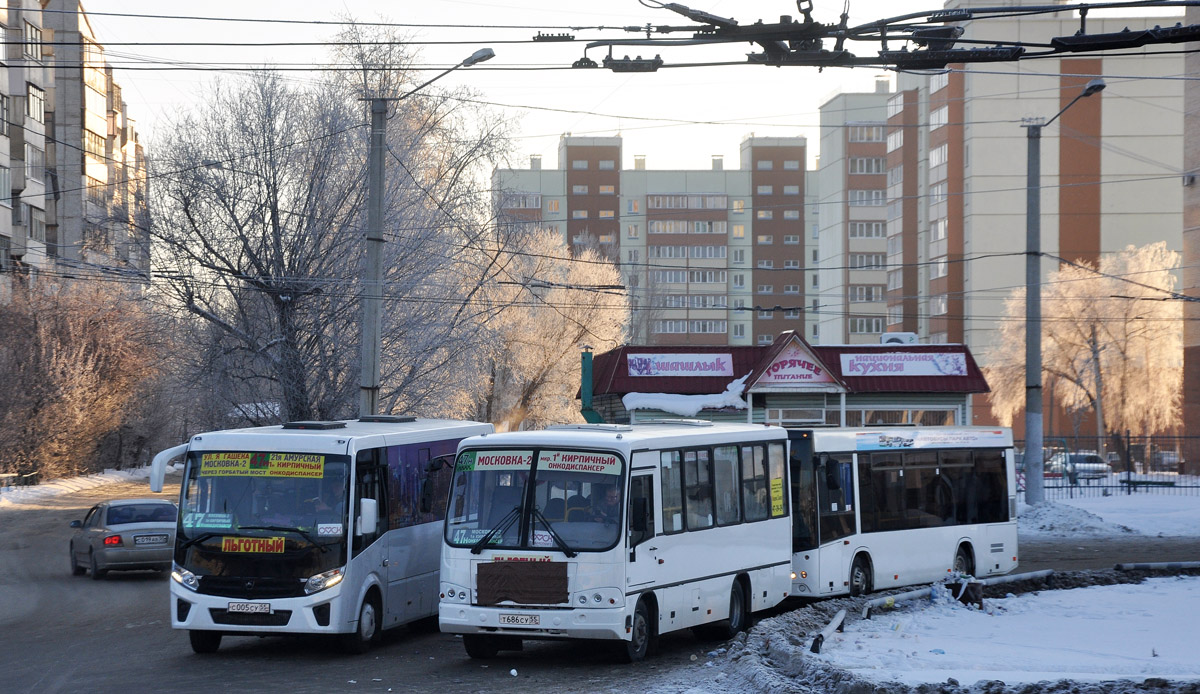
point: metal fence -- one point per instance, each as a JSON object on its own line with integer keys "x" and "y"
{"x": 1077, "y": 466}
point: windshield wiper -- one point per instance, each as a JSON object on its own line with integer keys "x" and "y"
{"x": 199, "y": 538}
{"x": 537, "y": 515}
{"x": 502, "y": 527}
{"x": 286, "y": 529}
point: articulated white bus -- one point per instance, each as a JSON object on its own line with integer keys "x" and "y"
{"x": 897, "y": 506}
{"x": 615, "y": 532}
{"x": 311, "y": 527}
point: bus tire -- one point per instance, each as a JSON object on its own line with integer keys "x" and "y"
{"x": 641, "y": 635}
{"x": 366, "y": 633}
{"x": 861, "y": 582}
{"x": 76, "y": 569}
{"x": 480, "y": 646}
{"x": 963, "y": 564}
{"x": 738, "y": 614}
{"x": 204, "y": 641}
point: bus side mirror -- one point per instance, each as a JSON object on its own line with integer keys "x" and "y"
{"x": 833, "y": 477}
{"x": 368, "y": 517}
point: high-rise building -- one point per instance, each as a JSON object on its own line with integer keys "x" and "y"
{"x": 710, "y": 257}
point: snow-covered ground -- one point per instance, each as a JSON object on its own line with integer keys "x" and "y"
{"x": 24, "y": 495}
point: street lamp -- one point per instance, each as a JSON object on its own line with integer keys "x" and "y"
{"x": 368, "y": 403}
{"x": 1035, "y": 485}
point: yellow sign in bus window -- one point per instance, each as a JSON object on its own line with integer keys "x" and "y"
{"x": 266, "y": 545}
{"x": 262, "y": 465}
{"x": 776, "y": 498}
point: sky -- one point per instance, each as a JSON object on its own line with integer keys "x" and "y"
{"x": 657, "y": 114}
{"x": 1091, "y": 634}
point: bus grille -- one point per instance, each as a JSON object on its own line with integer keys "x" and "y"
{"x": 252, "y": 588}
{"x": 278, "y": 618}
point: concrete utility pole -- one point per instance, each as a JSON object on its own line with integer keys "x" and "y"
{"x": 1035, "y": 483}
{"x": 368, "y": 403}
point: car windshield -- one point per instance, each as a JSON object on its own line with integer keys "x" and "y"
{"x": 140, "y": 513}
{"x": 239, "y": 505}
{"x": 575, "y": 504}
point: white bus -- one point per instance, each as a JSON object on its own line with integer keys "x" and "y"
{"x": 615, "y": 532}
{"x": 897, "y": 506}
{"x": 311, "y": 527}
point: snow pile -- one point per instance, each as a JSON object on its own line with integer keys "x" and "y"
{"x": 1059, "y": 519}
{"x": 26, "y": 495}
{"x": 688, "y": 405}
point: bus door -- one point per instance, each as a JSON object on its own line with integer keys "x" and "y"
{"x": 370, "y": 475}
{"x": 642, "y": 570}
{"x": 835, "y": 511}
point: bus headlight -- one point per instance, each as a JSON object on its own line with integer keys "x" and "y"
{"x": 185, "y": 578}
{"x": 598, "y": 597}
{"x": 455, "y": 593}
{"x": 321, "y": 581}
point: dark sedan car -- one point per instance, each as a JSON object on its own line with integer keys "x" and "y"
{"x": 124, "y": 534}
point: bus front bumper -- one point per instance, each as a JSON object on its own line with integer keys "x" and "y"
{"x": 318, "y": 613}
{"x": 522, "y": 622}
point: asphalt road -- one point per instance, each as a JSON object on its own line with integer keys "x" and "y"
{"x": 62, "y": 633}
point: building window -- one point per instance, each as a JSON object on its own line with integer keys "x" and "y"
{"x": 579, "y": 190}
{"x": 791, "y": 265}
{"x": 866, "y": 230}
{"x": 739, "y": 282}
{"x": 633, "y": 206}
{"x": 895, "y": 176}
{"x": 791, "y": 289}
{"x": 739, "y": 330}
{"x": 939, "y": 81}
{"x": 766, "y": 264}
{"x": 867, "y": 165}
{"x": 792, "y": 314}
{"x": 765, "y": 339}
{"x": 895, "y": 105}
{"x": 764, "y": 190}
{"x": 739, "y": 256}
{"x": 937, "y": 192}
{"x": 632, "y": 255}
{"x": 552, "y": 205}
{"x": 670, "y": 326}
{"x": 939, "y": 117}
{"x": 791, "y": 190}
{"x": 937, "y": 155}
{"x": 512, "y": 201}
{"x": 35, "y": 163}
{"x": 766, "y": 314}
{"x": 866, "y": 133}
{"x": 5, "y": 117}
{"x": 895, "y": 314}
{"x": 814, "y": 256}
{"x": 939, "y": 268}
{"x": 866, "y": 324}
{"x": 35, "y": 103}
{"x": 707, "y": 326}
{"x": 739, "y": 231}
{"x": 667, "y": 226}
{"x": 37, "y": 224}
{"x": 608, "y": 214}
{"x": 816, "y": 281}
{"x": 764, "y": 214}
{"x": 607, "y": 164}
{"x": 607, "y": 190}
{"x": 764, "y": 239}
{"x": 633, "y": 231}
{"x": 895, "y": 140}
{"x": 606, "y": 239}
{"x": 95, "y": 191}
{"x": 791, "y": 240}
{"x": 739, "y": 206}
{"x": 579, "y": 164}
{"x": 708, "y": 227}
{"x": 765, "y": 165}
{"x": 868, "y": 261}
{"x": 895, "y": 279}
{"x": 937, "y": 305}
{"x": 5, "y": 186}
{"x": 739, "y": 305}
{"x": 579, "y": 214}
{"x": 667, "y": 202}
{"x": 766, "y": 289}
{"x": 32, "y": 48}
{"x": 868, "y": 198}
{"x": 791, "y": 164}
{"x": 860, "y": 293}
{"x": 937, "y": 230}
{"x": 791, "y": 214}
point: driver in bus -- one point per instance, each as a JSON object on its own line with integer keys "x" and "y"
{"x": 607, "y": 508}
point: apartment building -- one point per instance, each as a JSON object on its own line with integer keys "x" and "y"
{"x": 74, "y": 165}
{"x": 709, "y": 257}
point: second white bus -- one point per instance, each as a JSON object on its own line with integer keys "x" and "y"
{"x": 878, "y": 508}
{"x": 700, "y": 536}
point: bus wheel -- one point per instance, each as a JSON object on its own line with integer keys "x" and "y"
{"x": 737, "y": 621}
{"x": 860, "y": 576}
{"x": 480, "y": 646}
{"x": 360, "y": 640}
{"x": 641, "y": 633}
{"x": 205, "y": 641}
{"x": 962, "y": 561}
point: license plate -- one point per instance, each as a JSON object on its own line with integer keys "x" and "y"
{"x": 520, "y": 620}
{"x": 150, "y": 539}
{"x": 250, "y": 607}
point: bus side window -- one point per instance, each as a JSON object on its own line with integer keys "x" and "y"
{"x": 836, "y": 513}
{"x": 672, "y": 492}
{"x": 641, "y": 509}
{"x": 369, "y": 483}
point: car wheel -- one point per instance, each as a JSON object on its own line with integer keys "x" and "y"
{"x": 641, "y": 633}
{"x": 361, "y": 639}
{"x": 205, "y": 641}
{"x": 962, "y": 561}
{"x": 480, "y": 646}
{"x": 860, "y": 576}
{"x": 76, "y": 569}
{"x": 95, "y": 570}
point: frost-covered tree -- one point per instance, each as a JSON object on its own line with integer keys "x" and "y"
{"x": 260, "y": 209}
{"x": 1111, "y": 343}
{"x": 553, "y": 302}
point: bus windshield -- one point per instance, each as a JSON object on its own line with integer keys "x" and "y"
{"x": 575, "y": 504}
{"x": 241, "y": 507}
